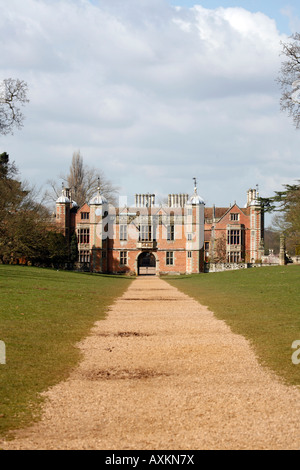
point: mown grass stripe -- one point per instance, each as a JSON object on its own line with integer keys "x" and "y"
{"x": 262, "y": 304}
{"x": 43, "y": 314}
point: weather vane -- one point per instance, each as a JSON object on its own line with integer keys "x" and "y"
{"x": 195, "y": 184}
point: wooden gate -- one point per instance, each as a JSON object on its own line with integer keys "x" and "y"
{"x": 147, "y": 271}
{"x": 147, "y": 264}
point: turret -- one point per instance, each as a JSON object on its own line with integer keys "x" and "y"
{"x": 252, "y": 197}
{"x": 63, "y": 207}
{"x": 194, "y": 223}
{"x": 256, "y": 225}
{"x": 99, "y": 231}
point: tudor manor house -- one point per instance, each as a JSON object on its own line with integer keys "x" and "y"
{"x": 182, "y": 236}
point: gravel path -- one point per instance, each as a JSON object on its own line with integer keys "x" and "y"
{"x": 161, "y": 372}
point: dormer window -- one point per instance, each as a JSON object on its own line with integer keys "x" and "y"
{"x": 234, "y": 217}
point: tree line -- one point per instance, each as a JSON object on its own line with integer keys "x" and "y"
{"x": 25, "y": 228}
{"x": 285, "y": 203}
{"x": 28, "y": 233}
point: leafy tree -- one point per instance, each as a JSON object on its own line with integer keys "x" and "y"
{"x": 286, "y": 205}
{"x": 57, "y": 249}
{"x": 272, "y": 240}
{"x": 7, "y": 169}
{"x": 25, "y": 224}
{"x": 74, "y": 253}
{"x": 13, "y": 94}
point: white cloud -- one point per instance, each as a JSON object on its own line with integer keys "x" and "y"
{"x": 153, "y": 94}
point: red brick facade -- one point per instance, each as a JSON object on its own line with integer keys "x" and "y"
{"x": 149, "y": 239}
{"x": 235, "y": 234}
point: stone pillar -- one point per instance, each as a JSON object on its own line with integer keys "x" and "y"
{"x": 282, "y": 254}
{"x": 261, "y": 250}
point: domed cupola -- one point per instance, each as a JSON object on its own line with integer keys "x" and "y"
{"x": 98, "y": 199}
{"x": 195, "y": 199}
{"x": 65, "y": 197}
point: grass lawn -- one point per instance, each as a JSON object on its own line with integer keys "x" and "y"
{"x": 262, "y": 304}
{"x": 43, "y": 314}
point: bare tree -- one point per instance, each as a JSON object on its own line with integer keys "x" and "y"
{"x": 83, "y": 182}
{"x": 13, "y": 94}
{"x": 76, "y": 179}
{"x": 289, "y": 79}
{"x": 219, "y": 252}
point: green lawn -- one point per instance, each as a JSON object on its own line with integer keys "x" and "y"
{"x": 262, "y": 304}
{"x": 43, "y": 314}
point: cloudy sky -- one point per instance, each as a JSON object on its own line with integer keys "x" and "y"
{"x": 153, "y": 92}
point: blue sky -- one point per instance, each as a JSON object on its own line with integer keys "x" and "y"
{"x": 153, "y": 95}
{"x": 286, "y": 13}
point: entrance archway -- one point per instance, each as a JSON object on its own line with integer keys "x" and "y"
{"x": 146, "y": 264}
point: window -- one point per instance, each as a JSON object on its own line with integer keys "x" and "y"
{"x": 206, "y": 246}
{"x": 123, "y": 232}
{"x": 84, "y": 256}
{"x": 190, "y": 212}
{"x": 189, "y": 254}
{"x": 170, "y": 233}
{"x": 234, "y": 257}
{"x": 123, "y": 258}
{"x": 84, "y": 235}
{"x": 234, "y": 237}
{"x": 145, "y": 233}
{"x": 234, "y": 216}
{"x": 169, "y": 258}
{"x": 85, "y": 215}
{"x": 190, "y": 237}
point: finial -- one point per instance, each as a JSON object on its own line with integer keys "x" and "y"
{"x": 195, "y": 185}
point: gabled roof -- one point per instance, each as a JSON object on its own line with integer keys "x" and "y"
{"x": 84, "y": 208}
{"x": 221, "y": 212}
{"x": 235, "y": 207}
